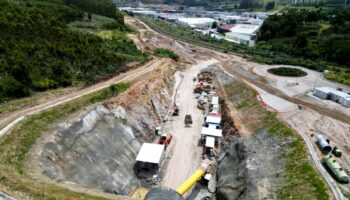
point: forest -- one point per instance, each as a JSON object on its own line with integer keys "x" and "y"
{"x": 318, "y": 36}
{"x": 38, "y": 50}
{"x": 310, "y": 34}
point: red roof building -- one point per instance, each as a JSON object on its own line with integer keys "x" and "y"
{"x": 224, "y": 28}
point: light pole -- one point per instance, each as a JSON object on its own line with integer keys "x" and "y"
{"x": 315, "y": 82}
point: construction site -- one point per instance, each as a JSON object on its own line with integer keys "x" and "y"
{"x": 203, "y": 127}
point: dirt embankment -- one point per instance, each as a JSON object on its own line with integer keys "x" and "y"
{"x": 251, "y": 166}
{"x": 99, "y": 149}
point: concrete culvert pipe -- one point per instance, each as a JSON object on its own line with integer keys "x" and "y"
{"x": 323, "y": 144}
{"x": 163, "y": 193}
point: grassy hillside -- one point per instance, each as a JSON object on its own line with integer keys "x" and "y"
{"x": 15, "y": 146}
{"x": 38, "y": 50}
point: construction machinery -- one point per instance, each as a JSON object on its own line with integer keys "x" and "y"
{"x": 337, "y": 152}
{"x": 165, "y": 139}
{"x": 176, "y": 110}
{"x": 188, "y": 120}
{"x": 200, "y": 106}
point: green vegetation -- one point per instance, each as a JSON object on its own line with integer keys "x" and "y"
{"x": 101, "y": 7}
{"x": 15, "y": 146}
{"x": 166, "y": 53}
{"x": 287, "y": 71}
{"x": 339, "y": 75}
{"x": 38, "y": 51}
{"x": 312, "y": 38}
{"x": 272, "y": 51}
{"x": 301, "y": 179}
{"x": 304, "y": 33}
{"x": 270, "y": 5}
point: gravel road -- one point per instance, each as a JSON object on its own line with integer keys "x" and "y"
{"x": 12, "y": 119}
{"x": 186, "y": 153}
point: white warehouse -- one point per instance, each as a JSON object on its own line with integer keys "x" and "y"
{"x": 243, "y": 34}
{"x": 334, "y": 95}
{"x": 198, "y": 23}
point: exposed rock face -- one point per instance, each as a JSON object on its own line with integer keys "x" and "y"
{"x": 99, "y": 150}
{"x": 250, "y": 170}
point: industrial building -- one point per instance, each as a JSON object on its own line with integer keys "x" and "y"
{"x": 149, "y": 159}
{"x": 211, "y": 132}
{"x": 243, "y": 34}
{"x": 224, "y": 28}
{"x": 196, "y": 23}
{"x": 333, "y": 95}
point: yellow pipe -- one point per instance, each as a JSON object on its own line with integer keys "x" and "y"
{"x": 184, "y": 187}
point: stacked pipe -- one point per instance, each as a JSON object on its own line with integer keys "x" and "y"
{"x": 323, "y": 144}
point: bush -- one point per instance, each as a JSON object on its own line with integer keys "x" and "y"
{"x": 166, "y": 53}
{"x": 287, "y": 71}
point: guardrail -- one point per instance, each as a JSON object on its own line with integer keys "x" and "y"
{"x": 6, "y": 196}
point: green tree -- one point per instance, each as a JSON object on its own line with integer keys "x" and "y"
{"x": 214, "y": 25}
{"x": 270, "y": 5}
{"x": 89, "y": 16}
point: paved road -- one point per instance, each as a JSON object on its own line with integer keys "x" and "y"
{"x": 330, "y": 181}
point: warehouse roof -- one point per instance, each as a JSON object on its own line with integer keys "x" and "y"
{"x": 215, "y": 100}
{"x": 210, "y": 142}
{"x": 226, "y": 27}
{"x": 213, "y": 119}
{"x": 245, "y": 29}
{"x": 196, "y": 20}
{"x": 150, "y": 153}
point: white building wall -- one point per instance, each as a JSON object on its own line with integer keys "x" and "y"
{"x": 333, "y": 95}
{"x": 320, "y": 94}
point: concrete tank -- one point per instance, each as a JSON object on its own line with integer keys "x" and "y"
{"x": 323, "y": 144}
{"x": 163, "y": 193}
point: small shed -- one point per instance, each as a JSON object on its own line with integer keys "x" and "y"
{"x": 212, "y": 132}
{"x": 209, "y": 131}
{"x": 150, "y": 153}
{"x": 215, "y": 109}
{"x": 215, "y": 100}
{"x": 210, "y": 142}
{"x": 149, "y": 159}
{"x": 213, "y": 119}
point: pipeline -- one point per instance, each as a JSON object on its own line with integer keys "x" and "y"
{"x": 323, "y": 144}
{"x": 161, "y": 193}
{"x": 184, "y": 187}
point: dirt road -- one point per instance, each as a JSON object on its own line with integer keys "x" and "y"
{"x": 175, "y": 174}
{"x": 225, "y": 60}
{"x": 330, "y": 181}
{"x": 322, "y": 110}
{"x": 186, "y": 153}
{"x": 13, "y": 118}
